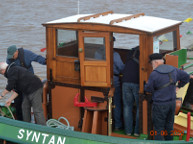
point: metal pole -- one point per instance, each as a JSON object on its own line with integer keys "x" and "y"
{"x": 78, "y": 6}
{"x": 188, "y": 127}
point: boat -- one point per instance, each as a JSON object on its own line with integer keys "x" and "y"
{"x": 80, "y": 87}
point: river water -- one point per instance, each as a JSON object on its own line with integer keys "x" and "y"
{"x": 21, "y": 20}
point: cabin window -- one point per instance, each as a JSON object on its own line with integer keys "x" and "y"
{"x": 125, "y": 41}
{"x": 94, "y": 48}
{"x": 165, "y": 42}
{"x": 67, "y": 43}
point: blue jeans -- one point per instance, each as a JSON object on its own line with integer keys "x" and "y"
{"x": 130, "y": 96}
{"x": 117, "y": 111}
{"x": 163, "y": 120}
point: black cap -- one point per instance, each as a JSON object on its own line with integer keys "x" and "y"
{"x": 155, "y": 56}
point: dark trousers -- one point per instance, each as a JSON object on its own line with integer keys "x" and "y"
{"x": 163, "y": 120}
{"x": 33, "y": 100}
{"x": 18, "y": 106}
{"x": 117, "y": 111}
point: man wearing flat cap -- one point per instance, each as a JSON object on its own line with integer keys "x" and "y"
{"x": 162, "y": 84}
{"x": 24, "y": 58}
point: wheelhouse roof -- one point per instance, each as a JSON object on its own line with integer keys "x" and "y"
{"x": 142, "y": 22}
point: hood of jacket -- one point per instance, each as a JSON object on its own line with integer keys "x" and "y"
{"x": 164, "y": 68}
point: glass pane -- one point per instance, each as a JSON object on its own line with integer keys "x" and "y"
{"x": 94, "y": 48}
{"x": 125, "y": 41}
{"x": 164, "y": 42}
{"x": 67, "y": 44}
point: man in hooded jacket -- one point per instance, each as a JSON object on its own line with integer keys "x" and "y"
{"x": 162, "y": 84}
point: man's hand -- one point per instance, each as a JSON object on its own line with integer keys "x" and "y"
{"x": 2, "y": 96}
{"x": 4, "y": 93}
{"x": 191, "y": 76}
{"x": 8, "y": 103}
{"x": 177, "y": 88}
{"x": 13, "y": 96}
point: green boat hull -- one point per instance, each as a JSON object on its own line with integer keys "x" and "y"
{"x": 28, "y": 133}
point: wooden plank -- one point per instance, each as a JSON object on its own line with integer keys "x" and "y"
{"x": 65, "y": 72}
{"x": 87, "y": 122}
{"x": 145, "y": 121}
{"x": 146, "y": 48}
{"x": 44, "y": 99}
{"x": 178, "y": 38}
{"x": 180, "y": 129}
{"x": 104, "y": 123}
{"x": 181, "y": 119}
{"x": 96, "y": 123}
{"x": 94, "y": 16}
{"x": 126, "y": 18}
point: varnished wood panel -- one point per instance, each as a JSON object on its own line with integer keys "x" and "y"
{"x": 87, "y": 121}
{"x": 146, "y": 48}
{"x": 95, "y": 74}
{"x": 44, "y": 99}
{"x": 172, "y": 60}
{"x": 63, "y": 105}
{"x": 65, "y": 72}
{"x": 89, "y": 93}
{"x": 50, "y": 37}
{"x": 145, "y": 117}
{"x": 178, "y": 38}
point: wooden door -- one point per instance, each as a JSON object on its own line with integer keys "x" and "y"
{"x": 64, "y": 56}
{"x": 94, "y": 54}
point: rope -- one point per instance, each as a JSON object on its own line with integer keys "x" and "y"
{"x": 4, "y": 114}
{"x": 3, "y": 104}
{"x": 10, "y": 112}
{"x": 57, "y": 124}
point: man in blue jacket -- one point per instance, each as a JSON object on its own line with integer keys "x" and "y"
{"x": 162, "y": 84}
{"x": 118, "y": 67}
{"x": 24, "y": 58}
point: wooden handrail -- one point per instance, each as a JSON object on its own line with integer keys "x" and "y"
{"x": 95, "y": 15}
{"x": 126, "y": 18}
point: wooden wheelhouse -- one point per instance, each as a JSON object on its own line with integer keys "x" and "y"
{"x": 73, "y": 70}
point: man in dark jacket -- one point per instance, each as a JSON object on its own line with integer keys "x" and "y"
{"x": 130, "y": 89}
{"x": 162, "y": 84}
{"x": 24, "y": 58}
{"x": 20, "y": 79}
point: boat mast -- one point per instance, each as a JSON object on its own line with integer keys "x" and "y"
{"x": 78, "y": 6}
